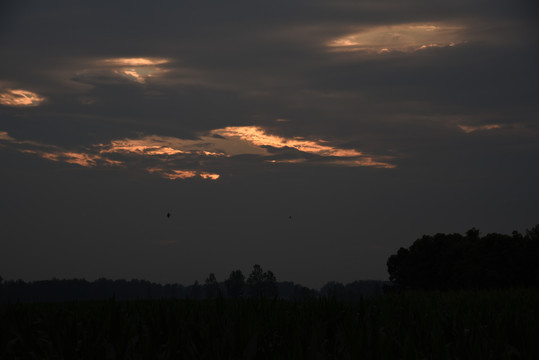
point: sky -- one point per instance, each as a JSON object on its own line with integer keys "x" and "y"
{"x": 314, "y": 138}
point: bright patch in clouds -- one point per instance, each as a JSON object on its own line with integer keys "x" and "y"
{"x": 401, "y": 38}
{"x": 144, "y": 146}
{"x": 136, "y": 61}
{"x": 258, "y": 137}
{"x": 328, "y": 153}
{"x": 136, "y": 69}
{"x": 286, "y": 161}
{"x": 175, "y": 158}
{"x": 468, "y": 129}
{"x": 163, "y": 145}
{"x": 72, "y": 157}
{"x": 209, "y": 176}
{"x": 173, "y": 174}
{"x": 242, "y": 140}
{"x": 5, "y": 136}
{"x": 20, "y": 98}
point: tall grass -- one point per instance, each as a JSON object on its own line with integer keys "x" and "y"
{"x": 416, "y": 325}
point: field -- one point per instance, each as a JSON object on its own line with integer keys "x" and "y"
{"x": 415, "y": 325}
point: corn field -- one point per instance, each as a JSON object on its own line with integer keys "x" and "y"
{"x": 415, "y": 325}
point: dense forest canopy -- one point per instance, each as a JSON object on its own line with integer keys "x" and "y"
{"x": 455, "y": 261}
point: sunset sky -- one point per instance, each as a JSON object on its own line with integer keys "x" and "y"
{"x": 370, "y": 123}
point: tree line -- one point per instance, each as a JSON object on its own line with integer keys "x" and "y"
{"x": 470, "y": 261}
{"x": 440, "y": 261}
{"x": 258, "y": 284}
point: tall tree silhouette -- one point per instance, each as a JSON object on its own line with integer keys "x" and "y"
{"x": 195, "y": 290}
{"x": 255, "y": 280}
{"x": 211, "y": 287}
{"x": 270, "y": 285}
{"x": 262, "y": 284}
{"x": 235, "y": 284}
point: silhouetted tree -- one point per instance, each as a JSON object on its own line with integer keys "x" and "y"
{"x": 333, "y": 289}
{"x": 533, "y": 233}
{"x": 269, "y": 285}
{"x": 195, "y": 290}
{"x": 211, "y": 287}
{"x": 473, "y": 234}
{"x": 356, "y": 290}
{"x": 262, "y": 284}
{"x": 302, "y": 293}
{"x": 254, "y": 282}
{"x": 532, "y": 253}
{"x": 235, "y": 284}
{"x": 455, "y": 261}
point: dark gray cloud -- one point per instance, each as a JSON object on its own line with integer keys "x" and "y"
{"x": 445, "y": 92}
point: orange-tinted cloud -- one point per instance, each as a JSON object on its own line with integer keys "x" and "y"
{"x": 20, "y": 98}
{"x": 173, "y": 174}
{"x": 161, "y": 145}
{"x": 175, "y": 158}
{"x": 468, "y": 129}
{"x": 71, "y": 157}
{"x": 286, "y": 161}
{"x": 401, "y": 37}
{"x": 257, "y": 136}
{"x": 144, "y": 146}
{"x": 136, "y": 69}
{"x": 98, "y": 155}
{"x": 364, "y": 161}
{"x": 85, "y": 158}
{"x": 5, "y": 136}
{"x": 210, "y": 176}
{"x": 136, "y": 61}
{"x": 332, "y": 154}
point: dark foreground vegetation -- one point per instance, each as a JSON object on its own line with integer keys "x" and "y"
{"x": 413, "y": 325}
{"x": 451, "y": 297}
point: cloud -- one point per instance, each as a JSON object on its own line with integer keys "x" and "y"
{"x": 130, "y": 62}
{"x": 232, "y": 141}
{"x": 165, "y": 145}
{"x": 173, "y": 174}
{"x": 55, "y": 153}
{"x": 5, "y": 136}
{"x": 259, "y": 137}
{"x": 137, "y": 70}
{"x": 175, "y": 158}
{"x": 20, "y": 98}
{"x": 409, "y": 37}
{"x": 239, "y": 140}
{"x": 469, "y": 128}
{"x": 71, "y": 157}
